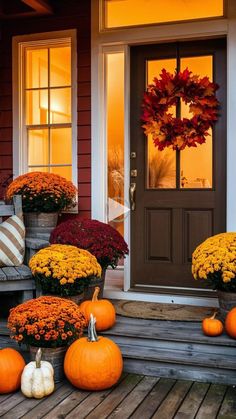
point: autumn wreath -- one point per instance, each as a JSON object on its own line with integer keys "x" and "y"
{"x": 169, "y": 131}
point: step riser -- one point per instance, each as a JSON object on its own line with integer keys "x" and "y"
{"x": 178, "y": 352}
{"x": 156, "y": 369}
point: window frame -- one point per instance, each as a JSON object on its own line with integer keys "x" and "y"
{"x": 19, "y": 46}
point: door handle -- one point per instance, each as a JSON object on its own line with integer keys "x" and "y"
{"x": 132, "y": 190}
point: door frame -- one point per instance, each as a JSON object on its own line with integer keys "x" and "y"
{"x": 119, "y": 40}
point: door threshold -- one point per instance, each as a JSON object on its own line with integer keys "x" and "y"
{"x": 115, "y": 293}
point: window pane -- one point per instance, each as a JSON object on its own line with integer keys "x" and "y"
{"x": 196, "y": 163}
{"x": 60, "y": 66}
{"x": 38, "y": 147}
{"x": 60, "y": 147}
{"x": 115, "y": 132}
{"x": 60, "y": 106}
{"x": 36, "y": 107}
{"x": 161, "y": 165}
{"x": 62, "y": 171}
{"x": 36, "y": 68}
{"x": 139, "y": 12}
{"x": 39, "y": 169}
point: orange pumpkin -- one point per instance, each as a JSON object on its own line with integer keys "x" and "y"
{"x": 102, "y": 310}
{"x": 230, "y": 323}
{"x": 212, "y": 326}
{"x": 11, "y": 368}
{"x": 93, "y": 363}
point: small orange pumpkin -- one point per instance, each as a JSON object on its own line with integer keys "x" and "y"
{"x": 93, "y": 363}
{"x": 230, "y": 323}
{"x": 11, "y": 368}
{"x": 102, "y": 310}
{"x": 212, "y": 326}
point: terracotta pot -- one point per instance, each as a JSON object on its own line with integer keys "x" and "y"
{"x": 38, "y": 223}
{"x": 227, "y": 300}
{"x": 53, "y": 355}
{"x": 95, "y": 282}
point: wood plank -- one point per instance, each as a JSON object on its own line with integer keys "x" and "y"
{"x": 228, "y": 408}
{"x": 91, "y": 402}
{"x": 17, "y": 285}
{"x": 178, "y": 371}
{"x": 2, "y": 275}
{"x": 11, "y": 402}
{"x": 177, "y": 331}
{"x": 67, "y": 405}
{"x": 193, "y": 400}
{"x": 6, "y": 210}
{"x": 87, "y": 405}
{"x": 212, "y": 402}
{"x": 150, "y": 404}
{"x": 11, "y": 273}
{"x": 17, "y": 200}
{"x": 49, "y": 403}
{"x": 172, "y": 402}
{"x": 104, "y": 409}
{"x": 24, "y": 271}
{"x": 25, "y": 406}
{"x": 135, "y": 397}
{"x": 3, "y": 397}
{"x": 40, "y": 6}
{"x": 187, "y": 354}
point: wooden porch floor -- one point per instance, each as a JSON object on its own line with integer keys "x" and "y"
{"x": 136, "y": 397}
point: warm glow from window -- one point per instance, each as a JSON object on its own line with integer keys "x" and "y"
{"x": 48, "y": 109}
{"x": 141, "y": 12}
{"x": 115, "y": 129}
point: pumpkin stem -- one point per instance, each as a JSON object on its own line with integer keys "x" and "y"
{"x": 215, "y": 313}
{"x": 95, "y": 294}
{"x": 92, "y": 334}
{"x": 38, "y": 358}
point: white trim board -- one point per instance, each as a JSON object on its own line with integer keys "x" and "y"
{"x": 122, "y": 38}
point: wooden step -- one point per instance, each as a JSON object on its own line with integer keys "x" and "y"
{"x": 175, "y": 349}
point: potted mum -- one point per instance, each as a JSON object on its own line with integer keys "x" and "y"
{"x": 100, "y": 239}
{"x": 50, "y": 323}
{"x": 214, "y": 261}
{"x": 64, "y": 270}
{"x": 44, "y": 195}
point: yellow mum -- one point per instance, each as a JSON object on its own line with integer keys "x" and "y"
{"x": 217, "y": 254}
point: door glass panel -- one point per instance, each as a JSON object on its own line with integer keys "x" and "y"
{"x": 161, "y": 165}
{"x": 196, "y": 163}
{"x": 115, "y": 136}
{"x": 142, "y": 12}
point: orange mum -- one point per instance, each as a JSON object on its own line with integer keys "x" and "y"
{"x": 43, "y": 192}
{"x": 46, "y": 322}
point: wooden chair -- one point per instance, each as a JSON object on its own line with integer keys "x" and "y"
{"x": 19, "y": 278}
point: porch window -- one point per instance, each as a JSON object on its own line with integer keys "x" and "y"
{"x": 120, "y": 13}
{"x": 45, "y": 116}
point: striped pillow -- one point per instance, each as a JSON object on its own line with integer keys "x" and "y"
{"x": 12, "y": 242}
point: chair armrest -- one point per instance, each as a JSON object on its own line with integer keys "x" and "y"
{"x": 32, "y": 246}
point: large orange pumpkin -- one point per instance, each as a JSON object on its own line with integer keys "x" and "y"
{"x": 102, "y": 310}
{"x": 11, "y": 367}
{"x": 230, "y": 323}
{"x": 212, "y": 326}
{"x": 93, "y": 363}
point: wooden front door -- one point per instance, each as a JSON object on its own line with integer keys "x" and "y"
{"x": 179, "y": 197}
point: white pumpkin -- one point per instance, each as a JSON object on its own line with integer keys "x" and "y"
{"x": 37, "y": 379}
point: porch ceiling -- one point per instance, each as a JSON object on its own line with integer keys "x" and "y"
{"x": 16, "y": 9}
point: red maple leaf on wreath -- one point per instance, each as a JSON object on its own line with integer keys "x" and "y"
{"x": 169, "y": 131}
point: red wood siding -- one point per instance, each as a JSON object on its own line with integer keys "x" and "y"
{"x": 73, "y": 14}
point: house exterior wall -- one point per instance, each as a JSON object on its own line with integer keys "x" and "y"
{"x": 69, "y": 15}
